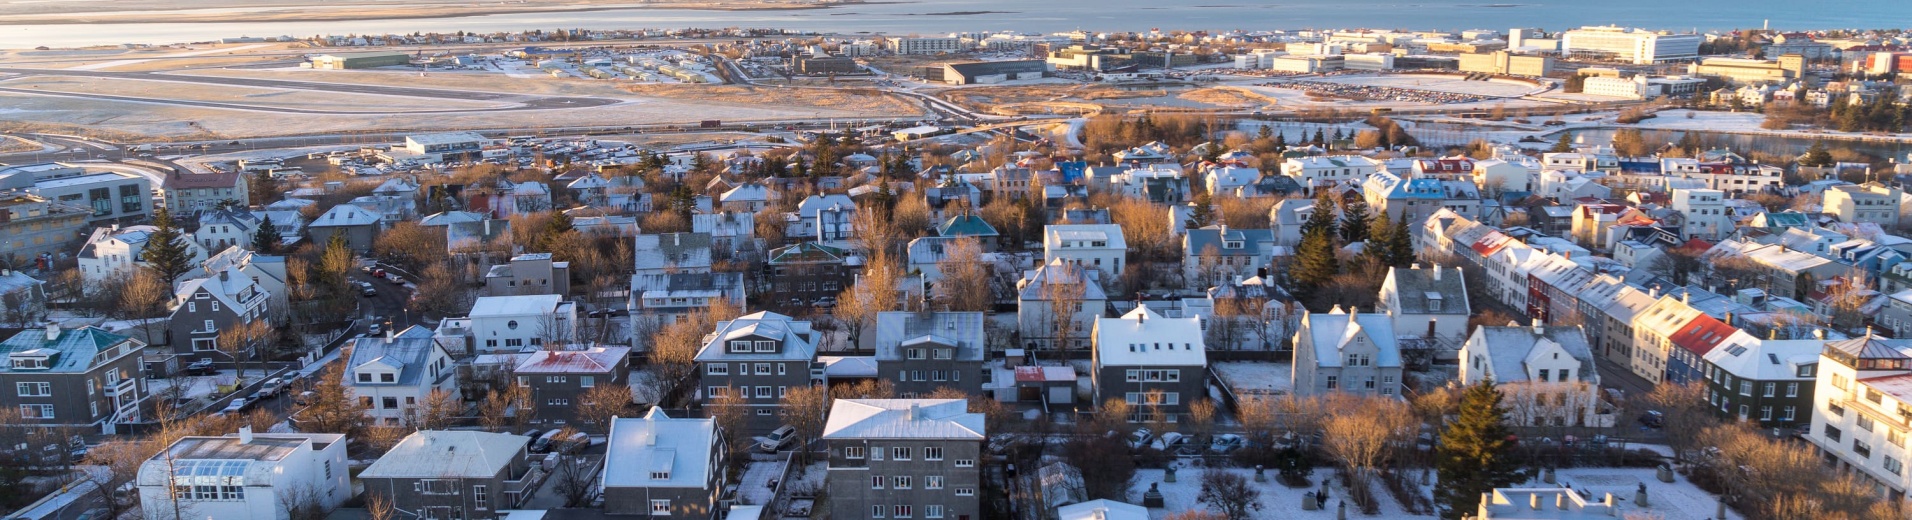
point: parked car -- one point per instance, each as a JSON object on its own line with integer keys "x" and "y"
{"x": 375, "y": 329}
{"x": 272, "y": 387}
{"x": 201, "y": 367}
{"x": 543, "y": 442}
{"x": 396, "y": 280}
{"x": 1170, "y": 442}
{"x": 777, "y": 440}
{"x": 367, "y": 290}
{"x": 1140, "y": 437}
{"x": 1225, "y": 443}
{"x": 1652, "y": 419}
{"x": 238, "y": 404}
{"x": 378, "y": 273}
{"x": 305, "y": 398}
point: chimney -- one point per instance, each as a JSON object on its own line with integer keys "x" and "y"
{"x": 1533, "y": 500}
{"x": 1560, "y": 500}
{"x": 487, "y": 226}
{"x": 225, "y": 276}
{"x": 1686, "y": 297}
{"x": 915, "y": 411}
{"x": 1818, "y": 333}
{"x": 245, "y": 435}
{"x": 677, "y": 239}
{"x": 52, "y": 331}
{"x": 1437, "y": 272}
{"x": 1653, "y": 292}
{"x": 388, "y": 335}
{"x": 1540, "y": 326}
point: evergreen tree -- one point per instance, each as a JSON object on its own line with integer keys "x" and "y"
{"x": 555, "y": 227}
{"x": 1322, "y": 219}
{"x": 1475, "y": 455}
{"x": 1817, "y": 155}
{"x": 1318, "y": 138}
{"x": 267, "y": 239}
{"x": 166, "y": 251}
{"x": 1380, "y": 234}
{"x": 1337, "y": 135}
{"x": 1201, "y": 213}
{"x": 1401, "y": 245}
{"x": 263, "y": 188}
{"x": 1315, "y": 262}
{"x": 1264, "y": 132}
{"x": 1565, "y": 144}
{"x": 1281, "y": 141}
{"x": 1354, "y": 221}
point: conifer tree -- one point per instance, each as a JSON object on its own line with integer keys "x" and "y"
{"x": 1380, "y": 234}
{"x": 1201, "y": 213}
{"x": 1475, "y": 455}
{"x": 1400, "y": 245}
{"x": 166, "y": 251}
{"x": 1817, "y": 155}
{"x": 1281, "y": 141}
{"x": 1319, "y": 138}
{"x": 1565, "y": 144}
{"x": 1354, "y": 221}
{"x": 1315, "y": 262}
{"x": 266, "y": 239}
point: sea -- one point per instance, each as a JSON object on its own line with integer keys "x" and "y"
{"x": 933, "y": 17}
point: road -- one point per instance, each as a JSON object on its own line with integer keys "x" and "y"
{"x": 523, "y": 102}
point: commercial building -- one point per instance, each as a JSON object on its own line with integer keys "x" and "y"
{"x": 114, "y": 196}
{"x": 36, "y": 231}
{"x": 1636, "y": 46}
{"x": 826, "y": 64}
{"x": 191, "y": 194}
{"x": 1089, "y": 57}
{"x": 360, "y": 60}
{"x": 445, "y": 145}
{"x": 1746, "y": 71}
{"x": 245, "y": 475}
{"x": 1504, "y": 62}
{"x": 1640, "y": 86}
{"x": 904, "y": 458}
{"x": 985, "y": 72}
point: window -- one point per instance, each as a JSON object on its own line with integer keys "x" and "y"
{"x": 203, "y": 344}
{"x": 1861, "y": 448}
{"x": 915, "y": 353}
{"x": 36, "y": 411}
{"x": 965, "y": 463}
{"x": 1745, "y": 387}
{"x": 719, "y": 391}
{"x": 389, "y": 403}
{"x": 1893, "y": 465}
{"x": 1332, "y": 383}
{"x": 660, "y": 507}
{"x": 933, "y": 482}
{"x": 766, "y": 346}
{"x": 1865, "y": 423}
{"x": 965, "y": 492}
{"x": 1836, "y": 410}
{"x": 933, "y": 511}
{"x": 34, "y": 389}
{"x": 876, "y": 482}
{"x": 1765, "y": 413}
{"x": 879, "y": 511}
{"x": 1787, "y": 415}
{"x": 763, "y": 392}
{"x": 1543, "y": 374}
{"x": 587, "y": 381}
{"x": 933, "y": 453}
{"x": 900, "y": 482}
{"x": 479, "y": 498}
{"x": 1767, "y": 389}
{"x": 717, "y": 369}
{"x": 853, "y": 452}
{"x": 903, "y": 512}
{"x": 740, "y": 346}
{"x": 763, "y": 368}
{"x": 1792, "y": 389}
{"x": 387, "y": 377}
{"x": 899, "y": 453}
{"x": 661, "y": 475}
{"x": 437, "y": 486}
{"x": 1833, "y": 434}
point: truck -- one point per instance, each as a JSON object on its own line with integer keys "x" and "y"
{"x": 711, "y": 123}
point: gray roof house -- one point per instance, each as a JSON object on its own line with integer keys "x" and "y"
{"x": 1345, "y": 351}
{"x": 927, "y": 351}
{"x": 672, "y": 252}
{"x": 666, "y": 467}
{"x": 1546, "y": 373}
{"x": 394, "y": 375}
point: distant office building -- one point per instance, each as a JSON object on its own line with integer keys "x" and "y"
{"x": 360, "y": 60}
{"x": 926, "y": 45}
{"x": 984, "y": 72}
{"x": 114, "y": 196}
{"x": 1503, "y": 62}
{"x": 1637, "y": 46}
{"x": 1739, "y": 70}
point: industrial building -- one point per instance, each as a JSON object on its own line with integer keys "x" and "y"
{"x": 360, "y": 60}
{"x": 1503, "y": 62}
{"x": 993, "y": 71}
{"x": 1636, "y": 46}
{"x": 825, "y": 64}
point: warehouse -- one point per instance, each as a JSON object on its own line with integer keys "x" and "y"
{"x": 993, "y": 71}
{"x": 360, "y": 60}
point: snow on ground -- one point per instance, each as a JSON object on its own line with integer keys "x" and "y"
{"x": 1679, "y": 500}
{"x": 1251, "y": 377}
{"x": 754, "y": 488}
{"x": 1278, "y": 502}
{"x": 1435, "y": 83}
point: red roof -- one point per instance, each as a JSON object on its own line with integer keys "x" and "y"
{"x": 1702, "y": 334}
{"x": 1490, "y": 243}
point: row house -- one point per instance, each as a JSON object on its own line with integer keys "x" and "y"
{"x": 1653, "y": 330}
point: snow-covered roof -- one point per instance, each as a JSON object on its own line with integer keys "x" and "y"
{"x": 1102, "y": 509}
{"x": 448, "y": 454}
{"x": 1330, "y": 332}
{"x": 1144, "y": 338}
{"x": 345, "y": 215}
{"x": 1507, "y": 349}
{"x": 595, "y": 360}
{"x": 1745, "y": 356}
{"x": 848, "y": 366}
{"x": 896, "y": 330}
{"x": 518, "y": 305}
{"x": 69, "y": 351}
{"x": 406, "y": 353}
{"x": 676, "y": 449}
{"x": 903, "y": 419}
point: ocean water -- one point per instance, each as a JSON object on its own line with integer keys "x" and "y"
{"x": 943, "y": 16}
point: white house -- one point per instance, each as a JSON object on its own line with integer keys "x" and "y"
{"x": 1862, "y": 385}
{"x": 1345, "y": 351}
{"x": 244, "y": 476}
{"x": 1546, "y": 373}
{"x": 505, "y": 324}
{"x": 222, "y": 228}
{"x": 1427, "y": 302}
{"x": 111, "y": 251}
{"x": 1098, "y": 246}
{"x": 394, "y": 375}
{"x": 1058, "y": 281}
{"x": 1329, "y": 170}
{"x": 665, "y": 467}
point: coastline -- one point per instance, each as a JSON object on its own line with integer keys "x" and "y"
{"x": 390, "y": 12}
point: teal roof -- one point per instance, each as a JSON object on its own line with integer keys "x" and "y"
{"x": 966, "y": 226}
{"x": 75, "y": 347}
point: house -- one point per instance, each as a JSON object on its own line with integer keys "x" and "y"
{"x": 729, "y": 232}
{"x": 357, "y": 225}
{"x": 1315, "y": 172}
{"x": 1495, "y": 176}
{"x": 262, "y": 476}
{"x": 1430, "y": 302}
{"x": 1214, "y": 254}
{"x": 202, "y": 307}
{"x": 454, "y": 474}
{"x": 1058, "y": 283}
{"x": 805, "y": 273}
{"x": 527, "y": 274}
{"x": 1287, "y": 217}
{"x": 1546, "y": 373}
{"x": 1346, "y": 351}
{"x": 898, "y": 458}
{"x": 1769, "y": 381}
{"x": 680, "y": 293}
{"x": 556, "y": 381}
{"x": 1098, "y": 246}
{"x": 269, "y": 271}
{"x": 22, "y": 299}
{"x": 749, "y": 197}
{"x": 394, "y": 376}
{"x": 930, "y": 351}
{"x": 1705, "y": 212}
{"x": 190, "y": 194}
{"x": 1158, "y": 365}
{"x": 968, "y": 225}
{"x": 112, "y": 251}
{"x": 1229, "y": 179}
{"x": 1102, "y": 509}
{"x": 666, "y": 467}
{"x": 84, "y": 378}
{"x": 507, "y": 324}
{"x": 1864, "y": 203}
{"x": 760, "y": 356}
{"x": 520, "y": 198}
{"x": 223, "y": 228}
{"x": 672, "y": 253}
{"x": 1861, "y": 385}
{"x": 825, "y": 218}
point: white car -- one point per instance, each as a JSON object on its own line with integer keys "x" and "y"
{"x": 237, "y": 404}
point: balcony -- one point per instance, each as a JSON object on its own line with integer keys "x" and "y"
{"x": 124, "y": 387}
{"x": 1901, "y": 420}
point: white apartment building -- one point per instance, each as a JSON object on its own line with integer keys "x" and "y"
{"x": 244, "y": 476}
{"x": 918, "y": 45}
{"x": 1859, "y": 419}
{"x": 1864, "y": 203}
{"x": 1099, "y": 246}
{"x": 394, "y": 375}
{"x": 1706, "y": 214}
{"x": 115, "y": 250}
{"x": 1328, "y": 170}
{"x": 508, "y": 324}
{"x": 1637, "y": 46}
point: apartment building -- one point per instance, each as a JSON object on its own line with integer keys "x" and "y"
{"x": 666, "y": 467}
{"x": 1862, "y": 399}
{"x": 556, "y": 381}
{"x": 904, "y": 458}
{"x": 35, "y": 229}
{"x": 929, "y": 351}
{"x": 1865, "y": 203}
{"x": 454, "y": 474}
{"x": 1158, "y": 365}
{"x": 85, "y": 377}
{"x": 1767, "y": 381}
{"x": 1098, "y": 246}
{"x": 760, "y": 357}
{"x": 191, "y": 194}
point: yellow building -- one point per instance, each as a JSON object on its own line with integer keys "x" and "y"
{"x": 1503, "y": 62}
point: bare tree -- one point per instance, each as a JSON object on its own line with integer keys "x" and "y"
{"x": 1201, "y": 417}
{"x": 333, "y": 408}
{"x": 1685, "y": 413}
{"x": 805, "y": 409}
{"x": 576, "y": 480}
{"x": 144, "y": 296}
{"x": 1229, "y": 494}
{"x": 501, "y": 409}
{"x": 240, "y": 343}
{"x": 602, "y": 402}
{"x": 436, "y": 412}
{"x": 865, "y": 389}
{"x": 965, "y": 283}
{"x": 302, "y": 503}
{"x": 379, "y": 507}
{"x": 1359, "y": 434}
{"x": 1065, "y": 289}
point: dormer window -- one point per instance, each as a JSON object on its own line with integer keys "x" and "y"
{"x": 740, "y": 346}
{"x": 766, "y": 346}
{"x": 660, "y": 475}
{"x": 1232, "y": 244}
{"x": 364, "y": 377}
{"x": 943, "y": 353}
